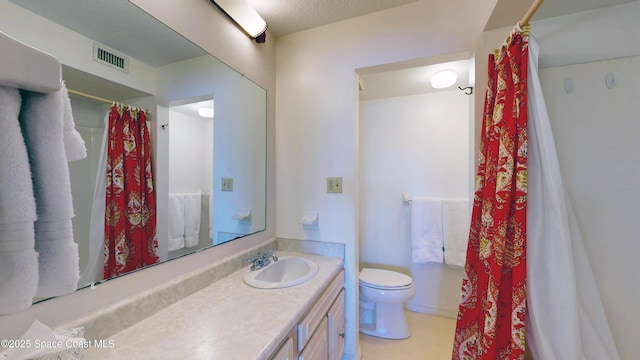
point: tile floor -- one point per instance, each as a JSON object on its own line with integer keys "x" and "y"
{"x": 431, "y": 339}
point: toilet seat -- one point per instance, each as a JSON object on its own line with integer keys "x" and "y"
{"x": 384, "y": 279}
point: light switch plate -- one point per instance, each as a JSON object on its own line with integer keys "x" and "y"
{"x": 334, "y": 184}
{"x": 227, "y": 184}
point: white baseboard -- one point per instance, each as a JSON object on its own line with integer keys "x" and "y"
{"x": 357, "y": 356}
{"x": 432, "y": 310}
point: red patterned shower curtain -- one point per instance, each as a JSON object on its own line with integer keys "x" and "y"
{"x": 491, "y": 316}
{"x": 130, "y": 215}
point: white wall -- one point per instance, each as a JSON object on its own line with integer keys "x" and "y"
{"x": 317, "y": 110}
{"x": 190, "y": 153}
{"x": 417, "y": 144}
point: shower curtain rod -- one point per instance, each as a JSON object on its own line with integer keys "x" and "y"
{"x": 97, "y": 98}
{"x": 529, "y": 14}
{"x": 89, "y": 96}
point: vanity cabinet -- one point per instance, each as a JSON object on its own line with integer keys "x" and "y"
{"x": 319, "y": 335}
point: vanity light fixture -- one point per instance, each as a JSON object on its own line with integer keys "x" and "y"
{"x": 206, "y": 112}
{"x": 245, "y": 16}
{"x": 443, "y": 79}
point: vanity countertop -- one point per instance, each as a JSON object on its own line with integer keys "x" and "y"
{"x": 225, "y": 320}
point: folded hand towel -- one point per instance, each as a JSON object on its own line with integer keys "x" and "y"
{"x": 455, "y": 220}
{"x": 426, "y": 230}
{"x": 192, "y": 211}
{"x": 18, "y": 280}
{"x": 18, "y": 259}
{"x": 41, "y": 119}
{"x": 17, "y": 203}
{"x": 74, "y": 145}
{"x": 59, "y": 257}
{"x": 176, "y": 222}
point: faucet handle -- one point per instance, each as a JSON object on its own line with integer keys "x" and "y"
{"x": 270, "y": 254}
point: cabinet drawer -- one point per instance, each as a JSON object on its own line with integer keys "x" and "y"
{"x": 310, "y": 322}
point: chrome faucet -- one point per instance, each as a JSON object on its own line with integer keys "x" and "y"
{"x": 263, "y": 260}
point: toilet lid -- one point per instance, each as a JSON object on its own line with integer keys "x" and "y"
{"x": 384, "y": 278}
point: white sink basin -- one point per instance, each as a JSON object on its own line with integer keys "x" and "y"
{"x": 287, "y": 271}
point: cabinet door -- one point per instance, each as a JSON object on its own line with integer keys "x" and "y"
{"x": 285, "y": 352}
{"x": 318, "y": 312}
{"x": 317, "y": 346}
{"x": 336, "y": 320}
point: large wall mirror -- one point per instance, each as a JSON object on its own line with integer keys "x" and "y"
{"x": 217, "y": 163}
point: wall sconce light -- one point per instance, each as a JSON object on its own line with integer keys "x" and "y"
{"x": 443, "y": 79}
{"x": 245, "y": 17}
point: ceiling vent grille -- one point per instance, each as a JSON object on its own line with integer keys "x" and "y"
{"x": 110, "y": 57}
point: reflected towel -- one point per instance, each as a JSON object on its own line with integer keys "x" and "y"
{"x": 59, "y": 254}
{"x": 426, "y": 230}
{"x": 41, "y": 118}
{"x": 18, "y": 259}
{"x": 192, "y": 211}
{"x": 176, "y": 222}
{"x": 74, "y": 145}
{"x": 455, "y": 228}
{"x": 18, "y": 279}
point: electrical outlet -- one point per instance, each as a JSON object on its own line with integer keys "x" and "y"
{"x": 227, "y": 184}
{"x": 334, "y": 184}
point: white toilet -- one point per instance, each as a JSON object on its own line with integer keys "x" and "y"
{"x": 382, "y": 297}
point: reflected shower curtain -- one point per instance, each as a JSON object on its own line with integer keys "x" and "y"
{"x": 94, "y": 270}
{"x": 130, "y": 215}
{"x": 491, "y": 316}
{"x": 565, "y": 315}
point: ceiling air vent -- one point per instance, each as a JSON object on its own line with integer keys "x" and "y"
{"x": 110, "y": 57}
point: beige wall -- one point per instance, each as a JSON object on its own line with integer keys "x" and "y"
{"x": 317, "y": 113}
{"x": 316, "y": 129}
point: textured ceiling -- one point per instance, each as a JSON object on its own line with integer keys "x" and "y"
{"x": 288, "y": 16}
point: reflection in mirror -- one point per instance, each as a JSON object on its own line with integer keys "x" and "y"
{"x": 216, "y": 166}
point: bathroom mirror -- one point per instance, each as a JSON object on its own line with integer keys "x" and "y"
{"x": 219, "y": 160}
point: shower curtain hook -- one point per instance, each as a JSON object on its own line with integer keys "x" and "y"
{"x": 470, "y": 88}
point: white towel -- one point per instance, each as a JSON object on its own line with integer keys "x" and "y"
{"x": 74, "y": 145}
{"x": 176, "y": 222}
{"x": 18, "y": 259}
{"x": 192, "y": 211}
{"x": 41, "y": 118}
{"x": 455, "y": 228}
{"x": 426, "y": 230}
